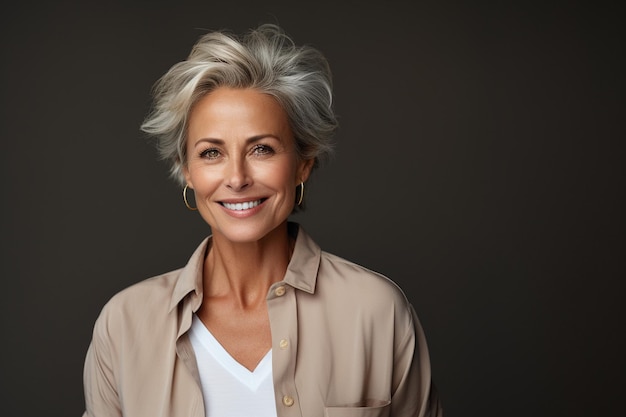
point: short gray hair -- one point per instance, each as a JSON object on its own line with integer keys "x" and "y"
{"x": 265, "y": 59}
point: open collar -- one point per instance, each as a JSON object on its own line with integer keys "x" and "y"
{"x": 301, "y": 271}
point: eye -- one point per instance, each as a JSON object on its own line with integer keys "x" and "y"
{"x": 210, "y": 153}
{"x": 262, "y": 150}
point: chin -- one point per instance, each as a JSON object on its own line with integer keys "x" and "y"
{"x": 245, "y": 233}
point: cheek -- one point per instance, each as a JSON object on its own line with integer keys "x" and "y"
{"x": 282, "y": 176}
{"x": 202, "y": 180}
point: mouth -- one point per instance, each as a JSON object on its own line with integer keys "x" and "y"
{"x": 246, "y": 205}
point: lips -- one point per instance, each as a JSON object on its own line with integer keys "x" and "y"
{"x": 242, "y": 206}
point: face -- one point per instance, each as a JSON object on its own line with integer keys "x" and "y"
{"x": 242, "y": 163}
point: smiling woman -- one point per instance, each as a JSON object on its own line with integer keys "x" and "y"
{"x": 260, "y": 321}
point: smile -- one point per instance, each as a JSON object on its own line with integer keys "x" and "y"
{"x": 242, "y": 206}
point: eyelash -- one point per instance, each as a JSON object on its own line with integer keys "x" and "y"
{"x": 205, "y": 153}
{"x": 262, "y": 149}
{"x": 257, "y": 150}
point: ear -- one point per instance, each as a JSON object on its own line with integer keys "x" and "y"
{"x": 304, "y": 170}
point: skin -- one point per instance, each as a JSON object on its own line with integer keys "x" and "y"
{"x": 240, "y": 149}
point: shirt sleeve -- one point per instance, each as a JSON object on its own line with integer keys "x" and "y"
{"x": 101, "y": 397}
{"x": 415, "y": 394}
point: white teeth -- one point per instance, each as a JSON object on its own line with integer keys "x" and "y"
{"x": 242, "y": 206}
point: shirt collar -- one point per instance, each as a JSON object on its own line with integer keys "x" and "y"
{"x": 305, "y": 261}
{"x": 301, "y": 271}
{"x": 190, "y": 278}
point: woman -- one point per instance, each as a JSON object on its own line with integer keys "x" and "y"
{"x": 260, "y": 322}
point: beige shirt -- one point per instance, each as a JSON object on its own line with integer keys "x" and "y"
{"x": 345, "y": 342}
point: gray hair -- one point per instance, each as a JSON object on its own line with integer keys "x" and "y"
{"x": 265, "y": 59}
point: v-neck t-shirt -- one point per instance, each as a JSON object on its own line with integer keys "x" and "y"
{"x": 229, "y": 388}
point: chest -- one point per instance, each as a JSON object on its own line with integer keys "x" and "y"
{"x": 244, "y": 334}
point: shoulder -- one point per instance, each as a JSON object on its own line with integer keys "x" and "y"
{"x": 136, "y": 326}
{"x": 155, "y": 297}
{"x": 333, "y": 276}
{"x": 344, "y": 272}
{"x": 356, "y": 300}
{"x": 148, "y": 292}
{"x": 144, "y": 300}
{"x": 350, "y": 281}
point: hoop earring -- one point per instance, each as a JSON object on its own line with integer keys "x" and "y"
{"x": 301, "y": 194}
{"x": 185, "y": 199}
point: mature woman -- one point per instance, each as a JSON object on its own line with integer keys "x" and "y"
{"x": 260, "y": 322}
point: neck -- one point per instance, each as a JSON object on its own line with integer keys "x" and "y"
{"x": 245, "y": 271}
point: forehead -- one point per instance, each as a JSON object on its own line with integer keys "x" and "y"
{"x": 237, "y": 112}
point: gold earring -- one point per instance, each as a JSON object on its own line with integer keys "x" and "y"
{"x": 185, "y": 199}
{"x": 301, "y": 193}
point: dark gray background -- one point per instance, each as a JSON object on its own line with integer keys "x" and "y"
{"x": 480, "y": 165}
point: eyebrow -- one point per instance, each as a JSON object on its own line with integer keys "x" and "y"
{"x": 250, "y": 140}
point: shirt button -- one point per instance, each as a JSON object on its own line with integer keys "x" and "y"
{"x": 287, "y": 400}
{"x": 280, "y": 291}
{"x": 283, "y": 344}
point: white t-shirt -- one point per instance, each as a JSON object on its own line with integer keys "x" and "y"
{"x": 229, "y": 388}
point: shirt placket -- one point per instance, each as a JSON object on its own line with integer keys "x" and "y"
{"x": 281, "y": 304}
{"x": 186, "y": 355}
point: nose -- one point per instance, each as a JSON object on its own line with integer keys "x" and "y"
{"x": 237, "y": 176}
